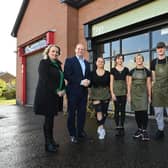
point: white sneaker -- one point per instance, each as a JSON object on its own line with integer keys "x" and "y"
{"x": 102, "y": 133}
{"x": 99, "y": 130}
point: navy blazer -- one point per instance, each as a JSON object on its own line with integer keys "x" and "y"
{"x": 73, "y": 74}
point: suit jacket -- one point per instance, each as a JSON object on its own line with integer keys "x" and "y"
{"x": 46, "y": 100}
{"x": 73, "y": 74}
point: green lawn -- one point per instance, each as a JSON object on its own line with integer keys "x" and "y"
{"x": 3, "y": 101}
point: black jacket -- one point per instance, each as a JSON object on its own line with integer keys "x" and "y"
{"x": 46, "y": 101}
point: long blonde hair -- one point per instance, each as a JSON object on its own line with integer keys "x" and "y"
{"x": 47, "y": 49}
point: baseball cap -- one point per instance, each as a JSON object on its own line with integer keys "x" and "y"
{"x": 161, "y": 45}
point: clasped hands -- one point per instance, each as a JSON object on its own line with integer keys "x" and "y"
{"x": 85, "y": 82}
{"x": 61, "y": 93}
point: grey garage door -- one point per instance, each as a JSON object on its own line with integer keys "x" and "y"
{"x": 32, "y": 76}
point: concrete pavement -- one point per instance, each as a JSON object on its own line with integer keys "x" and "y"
{"x": 22, "y": 144}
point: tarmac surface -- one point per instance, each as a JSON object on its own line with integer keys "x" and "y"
{"x": 22, "y": 144}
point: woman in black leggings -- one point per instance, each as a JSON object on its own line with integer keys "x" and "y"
{"x": 100, "y": 94}
{"x": 139, "y": 95}
{"x": 118, "y": 86}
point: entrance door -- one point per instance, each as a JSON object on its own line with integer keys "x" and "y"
{"x": 32, "y": 76}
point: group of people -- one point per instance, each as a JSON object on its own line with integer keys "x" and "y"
{"x": 139, "y": 86}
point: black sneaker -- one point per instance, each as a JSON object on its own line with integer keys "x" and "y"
{"x": 159, "y": 135}
{"x": 50, "y": 148}
{"x": 145, "y": 136}
{"x": 138, "y": 134}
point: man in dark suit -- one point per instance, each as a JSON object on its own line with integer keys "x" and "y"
{"x": 77, "y": 74}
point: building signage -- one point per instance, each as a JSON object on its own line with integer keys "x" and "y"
{"x": 150, "y": 10}
{"x": 35, "y": 46}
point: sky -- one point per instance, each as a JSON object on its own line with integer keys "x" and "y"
{"x": 9, "y": 10}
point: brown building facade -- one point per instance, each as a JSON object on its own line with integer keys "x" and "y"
{"x": 105, "y": 27}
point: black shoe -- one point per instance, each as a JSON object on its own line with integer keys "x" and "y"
{"x": 159, "y": 135}
{"x": 145, "y": 136}
{"x": 55, "y": 144}
{"x": 50, "y": 148}
{"x": 73, "y": 139}
{"x": 138, "y": 134}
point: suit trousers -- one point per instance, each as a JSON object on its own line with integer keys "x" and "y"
{"x": 76, "y": 114}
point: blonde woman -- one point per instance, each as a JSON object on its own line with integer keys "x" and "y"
{"x": 49, "y": 92}
{"x": 118, "y": 86}
{"x": 139, "y": 94}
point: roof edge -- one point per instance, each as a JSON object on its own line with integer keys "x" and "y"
{"x": 19, "y": 18}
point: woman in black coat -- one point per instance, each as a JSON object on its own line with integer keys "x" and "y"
{"x": 49, "y": 93}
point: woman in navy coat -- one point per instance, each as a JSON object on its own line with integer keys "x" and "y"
{"x": 49, "y": 93}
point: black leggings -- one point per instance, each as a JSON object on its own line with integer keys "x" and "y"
{"x": 102, "y": 107}
{"x": 141, "y": 118}
{"x": 119, "y": 113}
{"x": 48, "y": 125}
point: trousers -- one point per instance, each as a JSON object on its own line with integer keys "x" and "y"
{"x": 159, "y": 115}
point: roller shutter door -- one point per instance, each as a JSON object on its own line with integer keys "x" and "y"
{"x": 32, "y": 76}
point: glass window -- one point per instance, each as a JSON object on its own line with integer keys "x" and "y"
{"x": 103, "y": 50}
{"x": 129, "y": 61}
{"x": 135, "y": 43}
{"x": 159, "y": 35}
{"x": 115, "y": 47}
{"x": 107, "y": 65}
{"x": 100, "y": 50}
{"x": 106, "y": 52}
{"x": 112, "y": 62}
{"x": 154, "y": 54}
{"x": 146, "y": 59}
